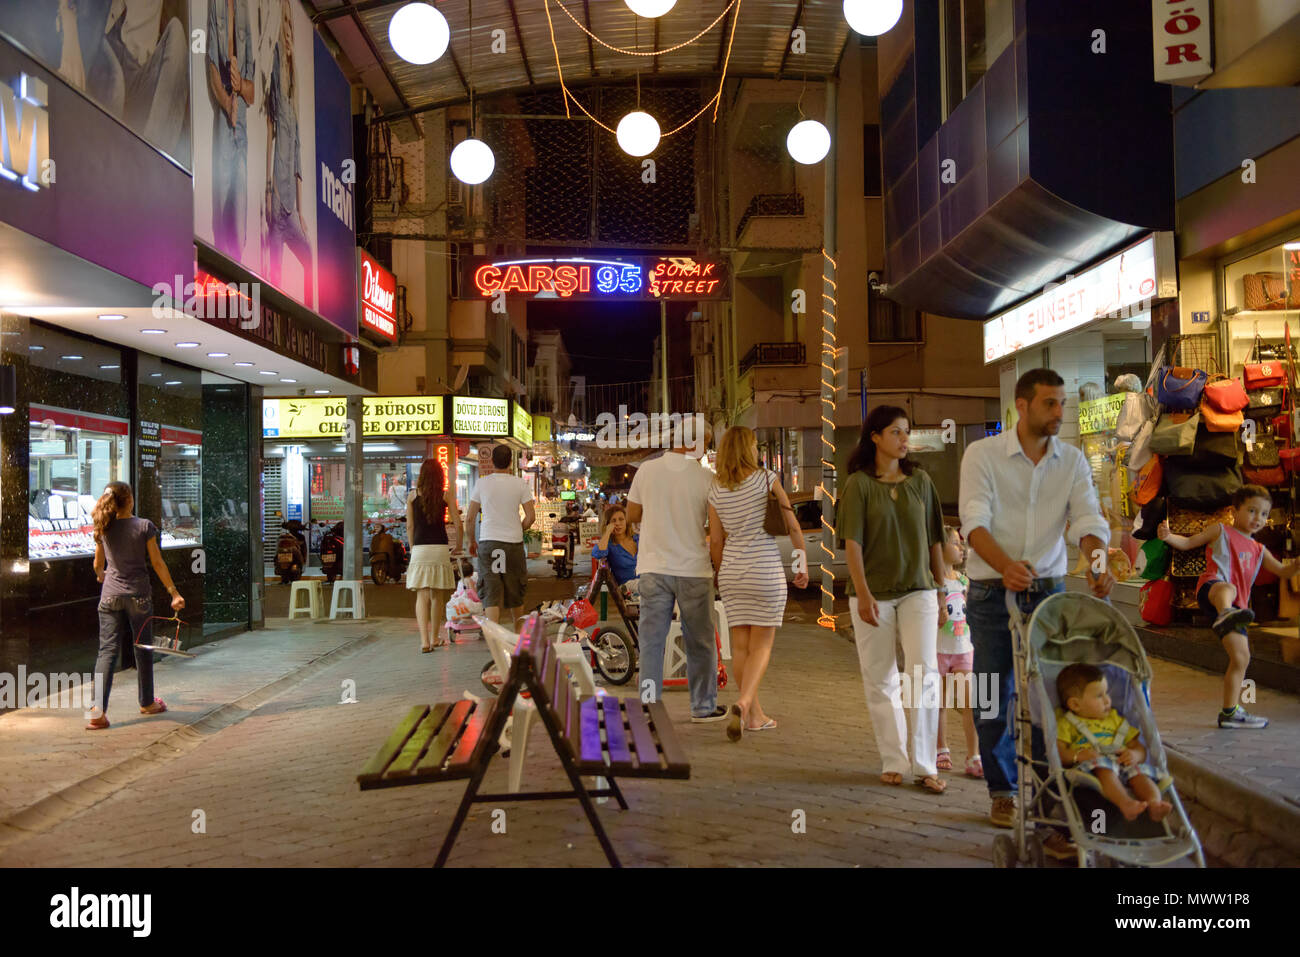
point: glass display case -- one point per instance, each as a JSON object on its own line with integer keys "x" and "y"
{"x": 180, "y": 476}
{"x": 73, "y": 456}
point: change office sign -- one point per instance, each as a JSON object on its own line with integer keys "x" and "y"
{"x": 471, "y": 416}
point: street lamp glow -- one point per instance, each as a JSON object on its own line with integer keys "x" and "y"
{"x": 419, "y": 33}
{"x": 472, "y": 161}
{"x": 871, "y": 18}
{"x": 650, "y": 8}
{"x": 808, "y": 142}
{"x": 638, "y": 133}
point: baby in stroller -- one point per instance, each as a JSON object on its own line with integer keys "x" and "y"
{"x": 1095, "y": 738}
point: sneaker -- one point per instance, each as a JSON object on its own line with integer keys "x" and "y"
{"x": 718, "y": 714}
{"x": 1059, "y": 847}
{"x": 1241, "y": 718}
{"x": 1234, "y": 619}
{"x": 1003, "y": 813}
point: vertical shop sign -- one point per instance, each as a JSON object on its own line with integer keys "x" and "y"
{"x": 1181, "y": 37}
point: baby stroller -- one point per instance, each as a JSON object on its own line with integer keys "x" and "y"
{"x": 464, "y": 604}
{"x": 1065, "y": 629}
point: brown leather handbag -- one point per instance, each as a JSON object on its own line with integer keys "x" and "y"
{"x": 774, "y": 517}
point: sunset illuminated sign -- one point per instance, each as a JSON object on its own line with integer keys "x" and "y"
{"x": 589, "y": 279}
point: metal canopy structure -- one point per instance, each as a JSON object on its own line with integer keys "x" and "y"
{"x": 761, "y": 46}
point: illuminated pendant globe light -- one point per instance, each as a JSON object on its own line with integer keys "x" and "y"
{"x": 871, "y": 18}
{"x": 472, "y": 161}
{"x": 808, "y": 142}
{"x": 650, "y": 8}
{"x": 419, "y": 33}
{"x": 638, "y": 133}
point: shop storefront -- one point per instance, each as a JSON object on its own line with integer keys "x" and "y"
{"x": 1092, "y": 329}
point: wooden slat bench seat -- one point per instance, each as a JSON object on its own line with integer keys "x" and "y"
{"x": 604, "y": 735}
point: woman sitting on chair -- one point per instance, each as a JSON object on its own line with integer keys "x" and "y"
{"x": 618, "y": 545}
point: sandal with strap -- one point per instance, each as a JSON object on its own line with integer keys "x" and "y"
{"x": 97, "y": 724}
{"x": 158, "y": 707}
{"x": 891, "y": 777}
{"x": 943, "y": 760}
{"x": 975, "y": 766}
{"x": 932, "y": 784}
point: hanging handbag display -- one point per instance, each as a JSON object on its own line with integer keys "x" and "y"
{"x": 1263, "y": 453}
{"x": 1149, "y": 481}
{"x": 1153, "y": 560}
{"x": 1269, "y": 478}
{"x": 1264, "y": 290}
{"x": 1149, "y": 518}
{"x": 1225, "y": 395}
{"x": 1189, "y": 521}
{"x": 1137, "y": 409}
{"x": 1174, "y": 437}
{"x": 1187, "y": 564}
{"x": 1155, "y": 602}
{"x": 1264, "y": 403}
{"x": 1212, "y": 445}
{"x": 1216, "y": 421}
{"x": 1139, "y": 452}
{"x": 1289, "y": 458}
{"x": 1180, "y": 387}
{"x": 1199, "y": 486}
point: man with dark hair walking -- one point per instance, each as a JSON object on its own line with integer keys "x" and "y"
{"x": 1019, "y": 491}
{"x": 499, "y": 545}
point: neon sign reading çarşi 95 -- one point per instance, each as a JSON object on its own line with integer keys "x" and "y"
{"x": 648, "y": 277}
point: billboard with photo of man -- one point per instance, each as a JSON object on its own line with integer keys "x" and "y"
{"x": 273, "y": 174}
{"x": 130, "y": 57}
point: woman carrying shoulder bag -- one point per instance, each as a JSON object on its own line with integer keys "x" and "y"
{"x": 747, "y": 563}
{"x": 125, "y": 548}
{"x": 890, "y": 520}
{"x": 430, "y": 573}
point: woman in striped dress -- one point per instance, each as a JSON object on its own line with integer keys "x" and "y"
{"x": 747, "y": 565}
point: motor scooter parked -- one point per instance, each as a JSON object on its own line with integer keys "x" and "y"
{"x": 564, "y": 537}
{"x": 290, "y": 552}
{"x": 331, "y": 553}
{"x": 386, "y": 557}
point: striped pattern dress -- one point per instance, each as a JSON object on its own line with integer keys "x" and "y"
{"x": 752, "y": 578}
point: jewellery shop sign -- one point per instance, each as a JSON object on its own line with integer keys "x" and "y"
{"x": 325, "y": 418}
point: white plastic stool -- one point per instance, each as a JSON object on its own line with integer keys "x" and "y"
{"x": 674, "y": 652}
{"x": 356, "y": 606}
{"x": 315, "y": 599}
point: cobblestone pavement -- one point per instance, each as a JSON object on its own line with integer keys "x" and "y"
{"x": 277, "y": 786}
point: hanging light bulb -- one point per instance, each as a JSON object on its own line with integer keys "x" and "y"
{"x": 808, "y": 142}
{"x": 650, "y": 8}
{"x": 419, "y": 33}
{"x": 871, "y": 18}
{"x": 472, "y": 161}
{"x": 638, "y": 133}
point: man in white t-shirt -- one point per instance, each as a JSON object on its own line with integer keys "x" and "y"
{"x": 499, "y": 544}
{"x": 670, "y": 498}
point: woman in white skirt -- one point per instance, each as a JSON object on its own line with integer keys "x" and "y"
{"x": 429, "y": 575}
{"x": 890, "y": 520}
{"x": 747, "y": 563}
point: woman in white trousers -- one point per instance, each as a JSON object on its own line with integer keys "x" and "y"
{"x": 891, "y": 522}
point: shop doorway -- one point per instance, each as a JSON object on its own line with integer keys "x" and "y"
{"x": 227, "y": 586}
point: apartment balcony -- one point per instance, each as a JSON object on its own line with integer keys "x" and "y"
{"x": 777, "y": 221}
{"x": 774, "y": 354}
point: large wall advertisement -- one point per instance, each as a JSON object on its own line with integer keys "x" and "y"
{"x": 131, "y": 57}
{"x": 273, "y": 153}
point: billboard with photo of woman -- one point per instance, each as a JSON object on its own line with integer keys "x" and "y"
{"x": 131, "y": 57}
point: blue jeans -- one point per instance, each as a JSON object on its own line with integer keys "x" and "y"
{"x": 986, "y": 613}
{"x": 121, "y": 618}
{"x": 694, "y": 596}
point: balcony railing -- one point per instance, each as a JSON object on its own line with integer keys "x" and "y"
{"x": 773, "y": 354}
{"x": 770, "y": 204}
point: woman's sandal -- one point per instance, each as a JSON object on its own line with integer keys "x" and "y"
{"x": 97, "y": 724}
{"x": 943, "y": 760}
{"x": 158, "y": 707}
{"x": 932, "y": 784}
{"x": 975, "y": 766}
{"x": 891, "y": 777}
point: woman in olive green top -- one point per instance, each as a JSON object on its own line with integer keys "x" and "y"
{"x": 889, "y": 518}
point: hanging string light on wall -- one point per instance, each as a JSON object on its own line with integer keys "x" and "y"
{"x": 871, "y": 18}
{"x": 472, "y": 161}
{"x": 419, "y": 33}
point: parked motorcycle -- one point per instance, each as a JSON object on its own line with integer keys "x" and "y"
{"x": 331, "y": 553}
{"x": 387, "y": 561}
{"x": 290, "y": 552}
{"x": 564, "y": 538}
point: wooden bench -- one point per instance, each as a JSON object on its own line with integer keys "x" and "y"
{"x": 591, "y": 734}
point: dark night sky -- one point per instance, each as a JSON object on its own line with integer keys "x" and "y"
{"x": 608, "y": 342}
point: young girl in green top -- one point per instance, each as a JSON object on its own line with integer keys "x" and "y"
{"x": 891, "y": 523}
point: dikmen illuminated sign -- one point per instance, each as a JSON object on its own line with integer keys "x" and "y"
{"x": 324, "y": 418}
{"x": 592, "y": 279}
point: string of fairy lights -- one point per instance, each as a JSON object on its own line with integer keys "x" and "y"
{"x": 829, "y": 309}
{"x": 420, "y": 34}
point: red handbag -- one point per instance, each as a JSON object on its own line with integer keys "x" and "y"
{"x": 1156, "y": 602}
{"x": 1290, "y": 458}
{"x": 1281, "y": 425}
{"x": 1226, "y": 395}
{"x": 1267, "y": 477}
{"x": 1263, "y": 375}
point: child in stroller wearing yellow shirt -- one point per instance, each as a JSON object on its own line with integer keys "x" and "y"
{"x": 1095, "y": 738}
